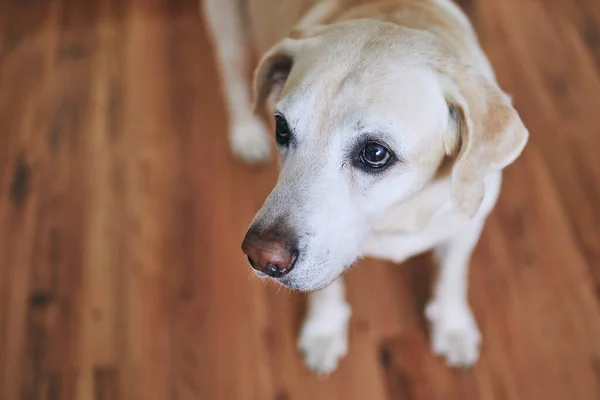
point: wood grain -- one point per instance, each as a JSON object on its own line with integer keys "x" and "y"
{"x": 122, "y": 213}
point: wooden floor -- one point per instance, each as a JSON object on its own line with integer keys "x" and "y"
{"x": 122, "y": 213}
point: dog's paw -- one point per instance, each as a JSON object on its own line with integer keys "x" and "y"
{"x": 454, "y": 334}
{"x": 249, "y": 141}
{"x": 324, "y": 339}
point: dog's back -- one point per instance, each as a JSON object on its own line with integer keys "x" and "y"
{"x": 268, "y": 21}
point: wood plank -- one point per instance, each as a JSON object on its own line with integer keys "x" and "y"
{"x": 122, "y": 214}
{"x": 23, "y": 114}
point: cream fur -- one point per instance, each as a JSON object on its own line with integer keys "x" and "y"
{"x": 410, "y": 71}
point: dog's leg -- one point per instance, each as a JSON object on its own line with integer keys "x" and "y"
{"x": 248, "y": 134}
{"x": 324, "y": 335}
{"x": 454, "y": 332}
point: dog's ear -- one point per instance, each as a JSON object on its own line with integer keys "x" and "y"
{"x": 488, "y": 135}
{"x": 276, "y": 64}
{"x": 272, "y": 72}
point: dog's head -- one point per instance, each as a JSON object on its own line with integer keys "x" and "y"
{"x": 365, "y": 114}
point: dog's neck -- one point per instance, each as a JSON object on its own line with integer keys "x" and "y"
{"x": 415, "y": 213}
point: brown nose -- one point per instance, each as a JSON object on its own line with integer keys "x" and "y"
{"x": 269, "y": 253}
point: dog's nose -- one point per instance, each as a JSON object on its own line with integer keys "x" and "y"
{"x": 269, "y": 254}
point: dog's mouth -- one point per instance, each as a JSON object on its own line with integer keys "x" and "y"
{"x": 293, "y": 284}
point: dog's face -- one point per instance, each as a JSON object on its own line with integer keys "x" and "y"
{"x": 363, "y": 121}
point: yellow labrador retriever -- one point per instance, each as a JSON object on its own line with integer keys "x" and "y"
{"x": 392, "y": 134}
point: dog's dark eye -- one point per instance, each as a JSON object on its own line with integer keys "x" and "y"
{"x": 282, "y": 131}
{"x": 375, "y": 155}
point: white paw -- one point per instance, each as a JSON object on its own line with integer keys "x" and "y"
{"x": 454, "y": 333}
{"x": 250, "y": 141}
{"x": 324, "y": 339}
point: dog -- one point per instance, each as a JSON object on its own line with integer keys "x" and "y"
{"x": 392, "y": 134}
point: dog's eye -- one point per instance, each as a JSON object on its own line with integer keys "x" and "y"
{"x": 282, "y": 131}
{"x": 375, "y": 155}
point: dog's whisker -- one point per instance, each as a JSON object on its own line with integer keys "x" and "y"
{"x": 242, "y": 260}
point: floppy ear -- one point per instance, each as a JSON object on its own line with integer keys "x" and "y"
{"x": 489, "y": 136}
{"x": 276, "y": 64}
{"x": 272, "y": 72}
